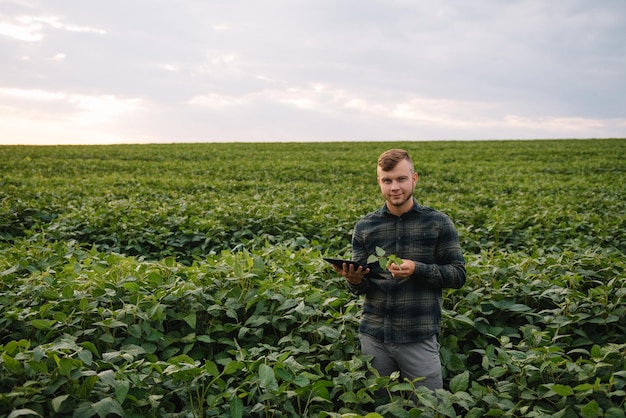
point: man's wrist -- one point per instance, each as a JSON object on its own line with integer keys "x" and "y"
{"x": 354, "y": 283}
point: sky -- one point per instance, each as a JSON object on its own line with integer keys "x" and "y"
{"x": 166, "y": 71}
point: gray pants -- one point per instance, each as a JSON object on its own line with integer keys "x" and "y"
{"x": 412, "y": 360}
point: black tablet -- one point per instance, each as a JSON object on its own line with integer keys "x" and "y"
{"x": 339, "y": 263}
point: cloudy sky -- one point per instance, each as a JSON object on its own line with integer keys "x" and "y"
{"x": 76, "y": 71}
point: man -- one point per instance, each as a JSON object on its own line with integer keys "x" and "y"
{"x": 402, "y": 309}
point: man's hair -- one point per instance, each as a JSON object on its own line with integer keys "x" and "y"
{"x": 390, "y": 158}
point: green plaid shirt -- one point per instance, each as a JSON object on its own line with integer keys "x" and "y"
{"x": 408, "y": 310}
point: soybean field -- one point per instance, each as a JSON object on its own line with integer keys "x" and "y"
{"x": 188, "y": 280}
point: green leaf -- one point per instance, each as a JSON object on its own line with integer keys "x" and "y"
{"x": 121, "y": 390}
{"x": 211, "y": 368}
{"x": 585, "y": 387}
{"x": 60, "y": 316}
{"x": 11, "y": 364}
{"x": 463, "y": 320}
{"x": 349, "y": 398}
{"x": 86, "y": 357}
{"x": 320, "y": 389}
{"x": 39, "y": 366}
{"x": 460, "y": 382}
{"x": 394, "y": 259}
{"x": 84, "y": 391}
{"x": 11, "y": 347}
{"x": 614, "y": 412}
{"x": 383, "y": 262}
{"x": 57, "y": 403}
{"x": 398, "y": 387}
{"x": 301, "y": 380}
{"x": 267, "y": 379}
{"x": 236, "y": 407}
{"x": 562, "y": 390}
{"x": 233, "y": 366}
{"x": 83, "y": 410}
{"x": 42, "y": 324}
{"x": 183, "y": 358}
{"x": 90, "y": 346}
{"x": 191, "y": 320}
{"x": 494, "y": 412}
{"x": 110, "y": 323}
{"x": 591, "y": 410}
{"x": 108, "y": 406}
{"x": 23, "y": 413}
{"x": 497, "y": 372}
{"x": 131, "y": 287}
{"x": 204, "y": 338}
{"x": 596, "y": 351}
{"x": 65, "y": 366}
{"x": 68, "y": 292}
{"x": 10, "y": 271}
{"x": 475, "y": 413}
{"x": 518, "y": 307}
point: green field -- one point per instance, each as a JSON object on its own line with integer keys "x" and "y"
{"x": 187, "y": 280}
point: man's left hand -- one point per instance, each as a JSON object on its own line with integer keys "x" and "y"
{"x": 404, "y": 271}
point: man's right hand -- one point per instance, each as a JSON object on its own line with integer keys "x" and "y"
{"x": 352, "y": 275}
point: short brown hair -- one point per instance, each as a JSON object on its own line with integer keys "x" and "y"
{"x": 390, "y": 158}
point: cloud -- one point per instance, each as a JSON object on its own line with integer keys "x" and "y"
{"x": 566, "y": 126}
{"x": 62, "y": 117}
{"x": 20, "y": 31}
{"x": 418, "y": 112}
{"x": 85, "y": 108}
{"x": 169, "y": 67}
{"x": 217, "y": 101}
{"x": 32, "y": 28}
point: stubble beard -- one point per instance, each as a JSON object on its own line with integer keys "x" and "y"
{"x": 399, "y": 204}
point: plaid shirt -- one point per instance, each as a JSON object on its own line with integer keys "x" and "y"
{"x": 408, "y": 310}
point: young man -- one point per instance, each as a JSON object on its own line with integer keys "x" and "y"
{"x": 402, "y": 308}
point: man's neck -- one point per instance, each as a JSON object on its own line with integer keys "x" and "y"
{"x": 400, "y": 210}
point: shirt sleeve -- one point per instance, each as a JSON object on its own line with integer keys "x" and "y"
{"x": 359, "y": 253}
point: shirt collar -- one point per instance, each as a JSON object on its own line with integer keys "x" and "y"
{"x": 416, "y": 208}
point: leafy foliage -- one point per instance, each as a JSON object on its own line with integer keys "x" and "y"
{"x": 384, "y": 259}
{"x": 188, "y": 280}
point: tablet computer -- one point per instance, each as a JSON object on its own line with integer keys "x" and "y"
{"x": 339, "y": 263}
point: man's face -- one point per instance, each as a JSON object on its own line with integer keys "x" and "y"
{"x": 397, "y": 185}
